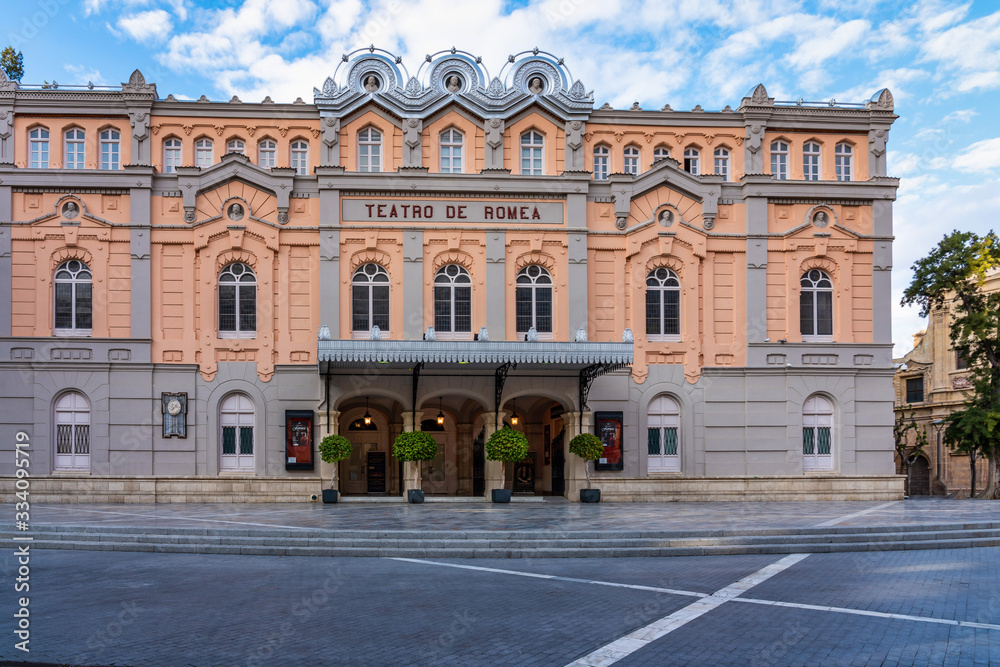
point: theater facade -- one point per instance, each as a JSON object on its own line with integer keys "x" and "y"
{"x": 194, "y": 293}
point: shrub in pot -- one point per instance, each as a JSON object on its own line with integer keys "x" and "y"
{"x": 334, "y": 449}
{"x": 415, "y": 446}
{"x": 590, "y": 448}
{"x": 505, "y": 445}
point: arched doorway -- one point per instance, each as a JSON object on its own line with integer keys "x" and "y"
{"x": 541, "y": 472}
{"x": 72, "y": 432}
{"x": 439, "y": 476}
{"x": 236, "y": 419}
{"x": 370, "y": 469}
{"x": 920, "y": 477}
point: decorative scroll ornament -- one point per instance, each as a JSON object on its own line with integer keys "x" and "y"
{"x": 577, "y": 91}
{"x": 376, "y": 333}
{"x": 484, "y": 335}
{"x": 330, "y": 87}
{"x": 627, "y": 336}
{"x": 495, "y": 88}
{"x": 581, "y": 335}
{"x": 324, "y": 332}
{"x": 413, "y": 87}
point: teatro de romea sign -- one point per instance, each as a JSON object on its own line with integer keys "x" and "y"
{"x": 462, "y": 210}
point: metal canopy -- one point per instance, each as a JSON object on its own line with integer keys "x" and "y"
{"x": 470, "y": 355}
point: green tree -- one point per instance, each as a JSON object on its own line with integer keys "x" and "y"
{"x": 589, "y": 448}
{"x": 12, "y": 63}
{"x": 908, "y": 453}
{"x": 973, "y": 431}
{"x": 951, "y": 278}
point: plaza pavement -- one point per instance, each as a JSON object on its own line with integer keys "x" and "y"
{"x": 928, "y": 607}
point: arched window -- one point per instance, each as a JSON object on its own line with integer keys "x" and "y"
{"x": 236, "y": 146}
{"x": 660, "y": 153}
{"x": 810, "y": 161}
{"x": 722, "y": 163}
{"x": 300, "y": 156}
{"x": 451, "y": 151}
{"x": 663, "y": 305}
{"x": 72, "y": 432}
{"x": 73, "y": 299}
{"x": 76, "y": 142}
{"x": 779, "y": 160}
{"x": 842, "y": 161}
{"x": 533, "y": 300}
{"x": 111, "y": 149}
{"x": 631, "y": 160}
{"x": 236, "y": 421}
{"x": 38, "y": 147}
{"x": 532, "y": 153}
{"x": 816, "y": 306}
{"x": 237, "y": 302}
{"x": 452, "y": 301}
{"x": 369, "y": 150}
{"x": 267, "y": 154}
{"x": 601, "y": 154}
{"x": 370, "y": 299}
{"x": 203, "y": 153}
{"x": 691, "y": 158}
{"x": 817, "y": 434}
{"x": 171, "y": 155}
{"x": 663, "y": 421}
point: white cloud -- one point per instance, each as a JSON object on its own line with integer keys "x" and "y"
{"x": 815, "y": 51}
{"x": 960, "y": 116}
{"x": 980, "y": 156}
{"x": 969, "y": 51}
{"x": 83, "y": 73}
{"x": 151, "y": 26}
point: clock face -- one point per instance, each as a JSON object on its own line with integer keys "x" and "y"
{"x": 174, "y": 407}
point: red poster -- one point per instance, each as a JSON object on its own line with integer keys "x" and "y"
{"x": 298, "y": 442}
{"x": 609, "y": 430}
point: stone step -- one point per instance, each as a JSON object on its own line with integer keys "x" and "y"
{"x": 607, "y": 541}
{"x": 503, "y": 534}
{"x": 499, "y": 552}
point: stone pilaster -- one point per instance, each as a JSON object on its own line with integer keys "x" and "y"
{"x": 411, "y": 469}
{"x": 325, "y": 429}
{"x": 576, "y": 473}
{"x": 493, "y": 470}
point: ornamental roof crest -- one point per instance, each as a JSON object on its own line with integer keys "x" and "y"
{"x": 453, "y": 77}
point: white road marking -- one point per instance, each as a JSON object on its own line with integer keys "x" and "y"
{"x": 181, "y": 518}
{"x": 876, "y": 614}
{"x": 637, "y": 639}
{"x": 834, "y": 522}
{"x": 535, "y": 575}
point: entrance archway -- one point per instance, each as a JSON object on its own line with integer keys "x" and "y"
{"x": 541, "y": 472}
{"x": 370, "y": 470}
{"x": 920, "y": 477}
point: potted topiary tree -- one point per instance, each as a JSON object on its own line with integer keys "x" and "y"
{"x": 413, "y": 447}
{"x": 334, "y": 449}
{"x": 505, "y": 445}
{"x": 589, "y": 448}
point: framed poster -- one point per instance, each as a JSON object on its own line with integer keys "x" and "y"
{"x": 298, "y": 440}
{"x": 609, "y": 429}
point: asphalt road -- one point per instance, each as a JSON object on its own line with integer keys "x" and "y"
{"x": 935, "y": 607}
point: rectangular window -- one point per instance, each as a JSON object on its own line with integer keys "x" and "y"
{"x": 463, "y": 309}
{"x": 670, "y": 441}
{"x": 228, "y": 439}
{"x": 359, "y": 308}
{"x": 671, "y": 312}
{"x": 779, "y": 166}
{"x": 806, "y": 314}
{"x": 227, "y": 308}
{"x": 810, "y": 165}
{"x": 653, "y": 442}
{"x": 531, "y": 161}
{"x": 246, "y": 439}
{"x": 653, "y": 312}
{"x": 39, "y": 154}
{"x": 64, "y": 306}
{"x": 961, "y": 363}
{"x": 600, "y": 167}
{"x": 823, "y": 442}
{"x": 380, "y": 306}
{"x": 522, "y": 317}
{"x": 109, "y": 155}
{"x": 84, "y": 309}
{"x": 248, "y": 307}
{"x": 808, "y": 440}
{"x": 915, "y": 390}
{"x": 442, "y": 309}
{"x": 543, "y": 310}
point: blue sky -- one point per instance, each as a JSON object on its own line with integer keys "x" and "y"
{"x": 940, "y": 59}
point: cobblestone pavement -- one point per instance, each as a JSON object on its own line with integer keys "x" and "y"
{"x": 878, "y": 608}
{"x": 547, "y": 516}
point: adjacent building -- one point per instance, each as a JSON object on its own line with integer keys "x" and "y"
{"x": 193, "y": 293}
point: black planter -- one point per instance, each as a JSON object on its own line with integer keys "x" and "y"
{"x": 415, "y": 496}
{"x": 330, "y": 495}
{"x": 590, "y": 495}
{"x": 501, "y": 495}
